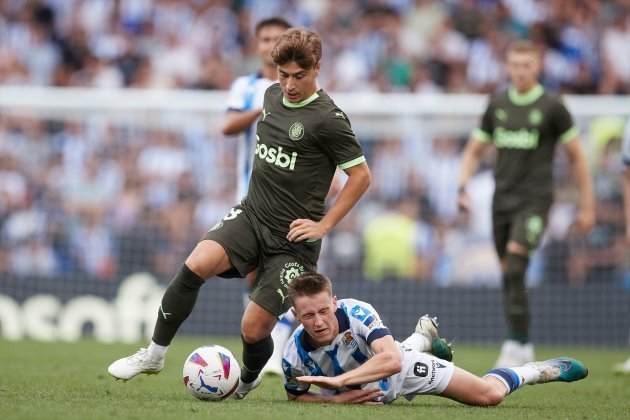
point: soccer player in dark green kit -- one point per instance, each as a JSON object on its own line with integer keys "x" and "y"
{"x": 301, "y": 137}
{"x": 525, "y": 124}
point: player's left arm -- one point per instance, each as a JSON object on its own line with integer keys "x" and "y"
{"x": 339, "y": 142}
{"x": 585, "y": 219}
{"x": 568, "y": 135}
{"x": 386, "y": 362}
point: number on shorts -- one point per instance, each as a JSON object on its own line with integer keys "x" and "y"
{"x": 233, "y": 214}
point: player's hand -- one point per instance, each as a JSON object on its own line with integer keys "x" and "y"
{"x": 463, "y": 201}
{"x": 303, "y": 229}
{"x": 359, "y": 396}
{"x": 584, "y": 221}
{"x": 327, "y": 382}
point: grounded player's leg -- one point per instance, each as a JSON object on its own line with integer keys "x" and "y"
{"x": 498, "y": 383}
{"x": 256, "y": 327}
{"x": 207, "y": 259}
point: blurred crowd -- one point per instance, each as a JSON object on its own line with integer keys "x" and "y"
{"x": 99, "y": 199}
{"x": 377, "y": 45}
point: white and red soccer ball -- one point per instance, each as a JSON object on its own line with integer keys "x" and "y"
{"x": 211, "y": 373}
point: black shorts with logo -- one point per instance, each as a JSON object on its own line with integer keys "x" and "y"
{"x": 524, "y": 226}
{"x": 250, "y": 245}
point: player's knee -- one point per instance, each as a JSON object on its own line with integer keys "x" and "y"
{"x": 252, "y": 334}
{"x": 491, "y": 398}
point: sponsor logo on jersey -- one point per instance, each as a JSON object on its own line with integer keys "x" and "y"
{"x": 516, "y": 139}
{"x": 501, "y": 114}
{"x": 535, "y": 117}
{"x": 296, "y": 131}
{"x": 275, "y": 156}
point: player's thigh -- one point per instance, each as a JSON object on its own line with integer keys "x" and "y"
{"x": 273, "y": 278}
{"x": 236, "y": 235}
{"x": 528, "y": 228}
{"x": 425, "y": 374}
{"x": 208, "y": 259}
{"x": 471, "y": 389}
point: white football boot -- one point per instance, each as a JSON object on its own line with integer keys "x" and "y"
{"x": 140, "y": 362}
{"x": 245, "y": 388}
{"x": 515, "y": 354}
{"x": 623, "y": 368}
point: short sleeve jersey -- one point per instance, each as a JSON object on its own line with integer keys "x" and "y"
{"x": 625, "y": 151}
{"x": 298, "y": 147}
{"x": 359, "y": 326}
{"x": 525, "y": 130}
{"x": 246, "y": 94}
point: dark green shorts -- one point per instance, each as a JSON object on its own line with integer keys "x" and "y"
{"x": 524, "y": 227}
{"x": 250, "y": 245}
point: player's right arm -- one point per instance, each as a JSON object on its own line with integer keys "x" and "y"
{"x": 626, "y": 178}
{"x": 240, "y": 115}
{"x": 479, "y": 140}
{"x": 238, "y": 121}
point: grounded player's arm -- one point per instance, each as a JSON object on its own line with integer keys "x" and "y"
{"x": 626, "y": 197}
{"x": 355, "y": 396}
{"x": 385, "y": 362}
{"x": 470, "y": 160}
{"x": 359, "y": 178}
{"x": 586, "y": 217}
{"x": 236, "y": 122}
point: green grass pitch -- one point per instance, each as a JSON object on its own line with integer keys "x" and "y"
{"x": 69, "y": 381}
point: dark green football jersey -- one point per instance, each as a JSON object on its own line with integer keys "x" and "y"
{"x": 298, "y": 147}
{"x": 525, "y": 129}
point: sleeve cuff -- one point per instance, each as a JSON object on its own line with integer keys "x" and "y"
{"x": 376, "y": 334}
{"x": 569, "y": 135}
{"x": 351, "y": 163}
{"x": 480, "y": 135}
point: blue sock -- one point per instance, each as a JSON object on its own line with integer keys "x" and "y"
{"x": 510, "y": 378}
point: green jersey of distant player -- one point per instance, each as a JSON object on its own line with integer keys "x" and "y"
{"x": 525, "y": 129}
{"x": 298, "y": 147}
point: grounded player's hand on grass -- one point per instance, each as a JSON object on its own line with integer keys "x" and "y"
{"x": 303, "y": 229}
{"x": 327, "y": 382}
{"x": 359, "y": 396}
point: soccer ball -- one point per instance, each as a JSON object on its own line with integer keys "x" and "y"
{"x": 211, "y": 373}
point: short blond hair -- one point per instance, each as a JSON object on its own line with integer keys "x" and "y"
{"x": 523, "y": 46}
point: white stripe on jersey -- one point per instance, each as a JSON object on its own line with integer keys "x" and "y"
{"x": 359, "y": 325}
{"x": 246, "y": 93}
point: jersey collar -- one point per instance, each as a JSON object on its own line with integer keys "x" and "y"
{"x": 300, "y": 104}
{"x": 525, "y": 98}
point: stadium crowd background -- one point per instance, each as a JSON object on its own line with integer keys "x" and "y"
{"x": 80, "y": 198}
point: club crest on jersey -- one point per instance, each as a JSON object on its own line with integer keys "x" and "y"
{"x": 535, "y": 117}
{"x": 296, "y": 131}
{"x": 348, "y": 340}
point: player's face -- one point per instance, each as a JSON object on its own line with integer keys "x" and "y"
{"x": 317, "y": 314}
{"x": 266, "y": 39}
{"x": 523, "y": 68}
{"x": 297, "y": 83}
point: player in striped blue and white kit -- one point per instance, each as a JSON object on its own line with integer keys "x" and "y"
{"x": 245, "y": 103}
{"x": 625, "y": 156}
{"x": 344, "y": 348}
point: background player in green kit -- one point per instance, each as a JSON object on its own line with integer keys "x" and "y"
{"x": 525, "y": 124}
{"x": 301, "y": 137}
